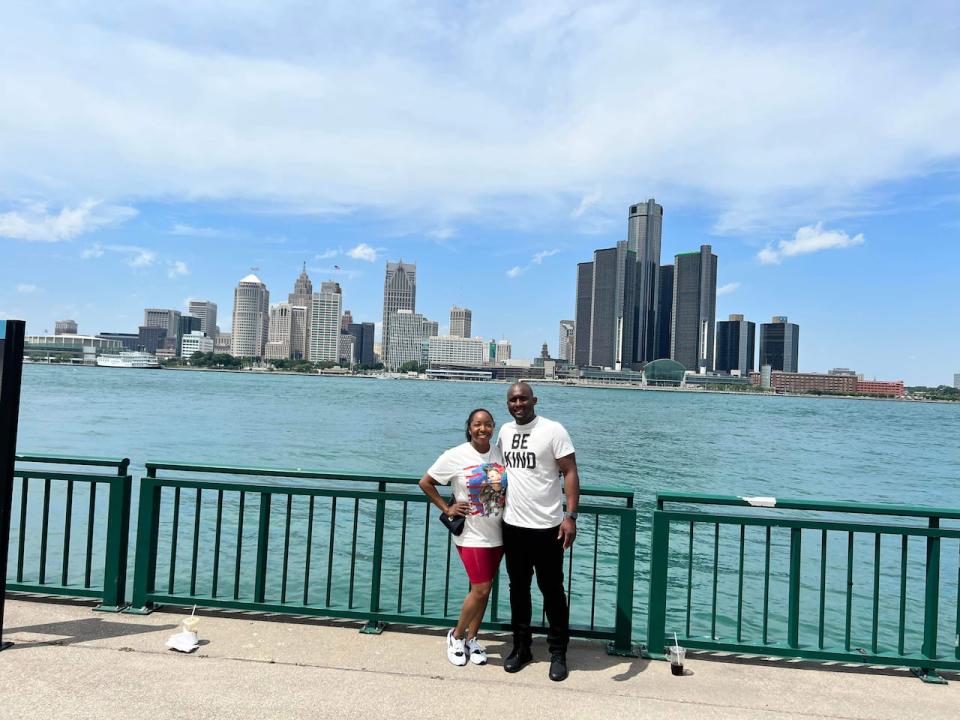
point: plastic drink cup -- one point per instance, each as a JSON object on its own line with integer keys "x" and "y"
{"x": 676, "y": 654}
{"x": 190, "y": 624}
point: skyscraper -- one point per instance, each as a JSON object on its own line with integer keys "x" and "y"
{"x": 664, "y": 311}
{"x": 584, "y": 305}
{"x": 278, "y": 336}
{"x": 301, "y": 296}
{"x": 568, "y": 340}
{"x": 644, "y": 227}
{"x": 736, "y": 345}
{"x": 780, "y": 344}
{"x": 694, "y": 309}
{"x": 251, "y": 318}
{"x": 326, "y": 307}
{"x": 409, "y": 333}
{"x": 399, "y": 293}
{"x": 461, "y": 321}
{"x": 207, "y": 312}
{"x": 362, "y": 342}
{"x": 345, "y": 320}
{"x": 169, "y": 320}
{"x": 611, "y": 328}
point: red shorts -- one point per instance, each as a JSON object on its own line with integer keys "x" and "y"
{"x": 481, "y": 563}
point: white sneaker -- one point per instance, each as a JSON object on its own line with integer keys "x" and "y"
{"x": 478, "y": 656}
{"x": 456, "y": 653}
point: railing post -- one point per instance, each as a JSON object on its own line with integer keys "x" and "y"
{"x": 623, "y": 625}
{"x": 263, "y": 543}
{"x": 793, "y": 602}
{"x": 931, "y": 607}
{"x": 148, "y": 531}
{"x": 657, "y": 599}
{"x": 118, "y": 537}
{"x": 374, "y": 626}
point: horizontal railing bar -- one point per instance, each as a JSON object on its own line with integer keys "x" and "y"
{"x": 52, "y": 589}
{"x": 119, "y": 463}
{"x": 347, "y": 476}
{"x": 59, "y": 475}
{"x": 812, "y": 653}
{"x": 185, "y": 483}
{"x": 814, "y": 505}
{"x": 882, "y": 529}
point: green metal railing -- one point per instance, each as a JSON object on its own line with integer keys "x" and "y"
{"x": 312, "y": 543}
{"x": 73, "y": 544}
{"x": 698, "y": 589}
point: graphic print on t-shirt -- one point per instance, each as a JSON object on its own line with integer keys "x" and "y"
{"x": 486, "y": 488}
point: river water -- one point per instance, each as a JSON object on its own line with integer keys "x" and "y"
{"x": 733, "y": 444}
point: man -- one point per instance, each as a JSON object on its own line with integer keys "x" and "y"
{"x": 537, "y": 454}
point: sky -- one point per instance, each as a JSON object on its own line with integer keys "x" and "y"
{"x": 155, "y": 152}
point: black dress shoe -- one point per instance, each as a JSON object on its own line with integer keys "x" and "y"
{"x": 517, "y": 658}
{"x": 558, "y": 667}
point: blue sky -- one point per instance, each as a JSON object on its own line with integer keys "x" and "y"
{"x": 155, "y": 153}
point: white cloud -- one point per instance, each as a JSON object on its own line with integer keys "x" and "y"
{"x": 27, "y": 288}
{"x": 515, "y": 271}
{"x": 757, "y": 115}
{"x": 140, "y": 257}
{"x": 33, "y": 222}
{"x": 442, "y": 233}
{"x": 537, "y": 259}
{"x": 136, "y": 257}
{"x": 728, "y": 288}
{"x": 192, "y": 231}
{"x": 326, "y": 254}
{"x": 177, "y": 268}
{"x": 808, "y": 239}
{"x": 94, "y": 251}
{"x": 363, "y": 252}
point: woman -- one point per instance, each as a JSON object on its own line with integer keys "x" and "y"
{"x": 479, "y": 482}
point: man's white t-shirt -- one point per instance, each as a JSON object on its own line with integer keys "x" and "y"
{"x": 530, "y": 454}
{"x": 481, "y": 480}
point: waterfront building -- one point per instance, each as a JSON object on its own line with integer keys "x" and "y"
{"x": 881, "y": 388}
{"x": 461, "y": 322}
{"x": 151, "y": 338}
{"x": 223, "y": 343}
{"x": 694, "y": 309}
{"x": 409, "y": 334}
{"x": 186, "y": 325}
{"x": 131, "y": 341}
{"x": 664, "y": 373}
{"x": 195, "y": 341}
{"x": 736, "y": 345}
{"x": 567, "y": 347}
{"x": 503, "y": 351}
{"x": 302, "y": 296}
{"x": 664, "y": 311}
{"x": 251, "y": 318}
{"x": 346, "y": 350}
{"x": 167, "y": 319}
{"x": 843, "y": 371}
{"x": 455, "y": 350}
{"x": 164, "y": 353}
{"x": 326, "y": 307}
{"x": 346, "y": 320}
{"x": 780, "y": 344}
{"x": 581, "y": 342}
{"x": 956, "y": 381}
{"x": 644, "y": 227}
{"x": 399, "y": 293}
{"x": 65, "y": 327}
{"x": 207, "y": 312}
{"x": 612, "y": 298}
{"x": 279, "y": 332}
{"x": 363, "y": 345}
{"x": 794, "y": 382}
{"x": 71, "y": 344}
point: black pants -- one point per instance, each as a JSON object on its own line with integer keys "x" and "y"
{"x": 528, "y": 550}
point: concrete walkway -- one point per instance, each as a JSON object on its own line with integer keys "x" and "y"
{"x": 70, "y": 662}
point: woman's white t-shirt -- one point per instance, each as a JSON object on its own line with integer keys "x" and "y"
{"x": 481, "y": 480}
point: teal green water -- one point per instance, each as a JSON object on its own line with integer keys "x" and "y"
{"x": 877, "y": 451}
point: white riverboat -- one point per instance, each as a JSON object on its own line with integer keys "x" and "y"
{"x": 140, "y": 360}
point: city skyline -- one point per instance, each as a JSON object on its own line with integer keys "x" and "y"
{"x": 826, "y": 198}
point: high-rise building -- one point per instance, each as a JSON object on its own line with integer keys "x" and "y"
{"x": 399, "y": 293}
{"x": 224, "y": 343}
{"x": 568, "y": 341}
{"x": 299, "y": 328}
{"x": 251, "y": 318}
{"x": 584, "y": 305}
{"x": 280, "y": 332}
{"x": 502, "y": 351}
{"x": 956, "y": 381}
{"x": 644, "y": 227}
{"x": 151, "y": 338}
{"x": 408, "y": 333}
{"x": 302, "y": 296}
{"x": 186, "y": 325}
{"x": 664, "y": 312}
{"x": 169, "y": 320}
{"x": 609, "y": 336}
{"x": 346, "y": 320}
{"x": 195, "y": 341}
{"x": 325, "y": 323}
{"x": 131, "y": 341}
{"x": 780, "y": 344}
{"x": 456, "y": 350}
{"x": 65, "y": 327}
{"x": 207, "y": 312}
{"x": 346, "y": 349}
{"x": 363, "y": 343}
{"x": 736, "y": 345}
{"x": 694, "y": 309}
{"x": 461, "y": 322}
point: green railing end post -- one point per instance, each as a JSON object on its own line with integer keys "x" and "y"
{"x": 373, "y": 627}
{"x": 123, "y": 466}
{"x": 630, "y": 651}
{"x": 657, "y": 597}
{"x": 145, "y": 609}
{"x": 929, "y": 675}
{"x": 109, "y": 608}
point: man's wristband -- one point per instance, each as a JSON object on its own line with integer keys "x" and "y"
{"x": 572, "y": 515}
